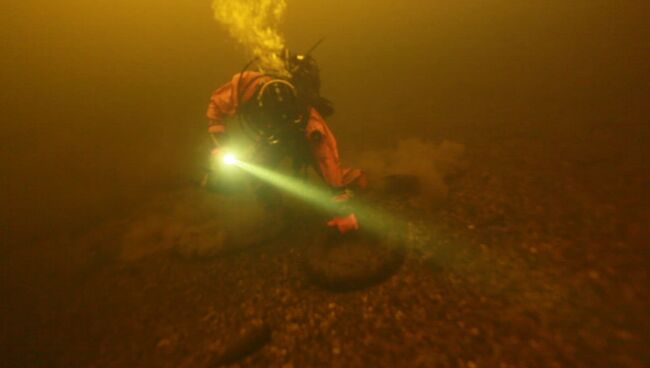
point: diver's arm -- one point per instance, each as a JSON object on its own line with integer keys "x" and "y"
{"x": 222, "y": 105}
{"x": 324, "y": 150}
{"x": 326, "y": 162}
{"x": 225, "y": 101}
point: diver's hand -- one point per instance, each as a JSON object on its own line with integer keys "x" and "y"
{"x": 344, "y": 224}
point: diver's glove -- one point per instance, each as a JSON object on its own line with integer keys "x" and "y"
{"x": 346, "y": 220}
{"x": 344, "y": 224}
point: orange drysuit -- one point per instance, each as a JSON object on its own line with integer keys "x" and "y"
{"x": 225, "y": 102}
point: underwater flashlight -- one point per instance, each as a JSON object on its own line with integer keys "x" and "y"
{"x": 229, "y": 159}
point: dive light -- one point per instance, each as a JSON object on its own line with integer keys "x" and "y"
{"x": 229, "y": 159}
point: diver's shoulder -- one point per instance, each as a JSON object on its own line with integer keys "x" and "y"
{"x": 248, "y": 75}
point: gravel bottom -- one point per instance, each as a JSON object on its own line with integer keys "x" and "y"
{"x": 528, "y": 263}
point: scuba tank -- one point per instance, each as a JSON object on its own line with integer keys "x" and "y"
{"x": 278, "y": 114}
{"x": 297, "y": 87}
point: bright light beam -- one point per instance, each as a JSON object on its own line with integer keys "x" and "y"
{"x": 230, "y": 159}
{"x": 370, "y": 217}
{"x": 291, "y": 185}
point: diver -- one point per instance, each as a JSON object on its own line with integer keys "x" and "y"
{"x": 286, "y": 114}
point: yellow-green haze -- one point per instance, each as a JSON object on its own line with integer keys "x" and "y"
{"x": 254, "y": 23}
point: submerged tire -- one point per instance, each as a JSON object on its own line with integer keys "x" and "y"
{"x": 352, "y": 261}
